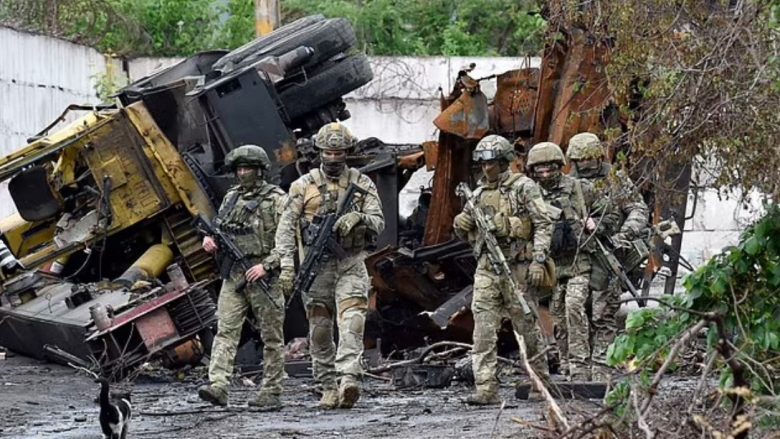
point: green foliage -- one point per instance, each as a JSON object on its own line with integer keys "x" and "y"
{"x": 435, "y": 27}
{"x": 384, "y": 27}
{"x": 741, "y": 287}
{"x": 137, "y": 27}
{"x": 109, "y": 83}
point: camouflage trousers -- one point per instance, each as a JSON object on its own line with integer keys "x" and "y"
{"x": 232, "y": 309}
{"x": 493, "y": 299}
{"x": 603, "y": 326}
{"x": 339, "y": 291}
{"x": 571, "y": 325}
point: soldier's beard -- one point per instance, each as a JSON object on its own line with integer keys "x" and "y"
{"x": 333, "y": 168}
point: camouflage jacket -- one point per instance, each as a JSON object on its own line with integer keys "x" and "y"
{"x": 250, "y": 217}
{"x": 619, "y": 190}
{"x": 570, "y": 203}
{"x": 516, "y": 196}
{"x": 314, "y": 194}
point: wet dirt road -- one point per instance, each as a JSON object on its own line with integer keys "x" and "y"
{"x": 40, "y": 400}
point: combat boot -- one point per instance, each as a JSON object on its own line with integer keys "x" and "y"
{"x": 213, "y": 394}
{"x": 349, "y": 393}
{"x": 483, "y": 398}
{"x": 267, "y": 402}
{"x": 329, "y": 400}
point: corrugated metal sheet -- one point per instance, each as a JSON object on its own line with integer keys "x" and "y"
{"x": 39, "y": 77}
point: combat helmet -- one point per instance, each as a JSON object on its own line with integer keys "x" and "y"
{"x": 545, "y": 152}
{"x": 493, "y": 147}
{"x": 585, "y": 146}
{"x": 251, "y": 156}
{"x": 334, "y": 136}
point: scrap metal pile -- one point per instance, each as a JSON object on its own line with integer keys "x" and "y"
{"x": 114, "y": 272}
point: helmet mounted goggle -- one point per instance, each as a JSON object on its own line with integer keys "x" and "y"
{"x": 485, "y": 155}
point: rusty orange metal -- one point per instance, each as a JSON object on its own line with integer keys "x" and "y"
{"x": 515, "y": 101}
{"x": 431, "y": 150}
{"x": 412, "y": 161}
{"x": 467, "y": 117}
{"x": 573, "y": 90}
{"x": 452, "y": 167}
{"x": 467, "y": 114}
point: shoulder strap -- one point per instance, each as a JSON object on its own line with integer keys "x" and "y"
{"x": 317, "y": 177}
{"x": 512, "y": 179}
{"x": 579, "y": 198}
{"x": 354, "y": 175}
{"x": 230, "y": 202}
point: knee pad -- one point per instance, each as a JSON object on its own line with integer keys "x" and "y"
{"x": 353, "y": 310}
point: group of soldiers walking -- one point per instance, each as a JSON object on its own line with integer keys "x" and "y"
{"x": 543, "y": 221}
{"x": 546, "y": 223}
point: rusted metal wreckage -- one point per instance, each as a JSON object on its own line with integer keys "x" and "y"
{"x": 423, "y": 292}
{"x": 114, "y": 273}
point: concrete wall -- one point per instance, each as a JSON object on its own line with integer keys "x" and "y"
{"x": 40, "y": 76}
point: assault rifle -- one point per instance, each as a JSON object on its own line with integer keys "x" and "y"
{"x": 231, "y": 255}
{"x": 494, "y": 253}
{"x": 607, "y": 259}
{"x": 323, "y": 241}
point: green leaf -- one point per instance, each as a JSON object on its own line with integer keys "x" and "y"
{"x": 752, "y": 246}
{"x": 635, "y": 320}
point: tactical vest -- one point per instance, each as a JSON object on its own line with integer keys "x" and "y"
{"x": 322, "y": 196}
{"x": 568, "y": 198}
{"x": 504, "y": 198}
{"x": 250, "y": 218}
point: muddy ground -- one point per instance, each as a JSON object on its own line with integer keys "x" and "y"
{"x": 41, "y": 400}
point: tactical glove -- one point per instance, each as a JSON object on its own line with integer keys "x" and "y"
{"x": 287, "y": 281}
{"x": 346, "y": 223}
{"x": 463, "y": 222}
{"x": 536, "y": 274}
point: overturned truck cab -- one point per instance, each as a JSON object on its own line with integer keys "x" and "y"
{"x": 111, "y": 271}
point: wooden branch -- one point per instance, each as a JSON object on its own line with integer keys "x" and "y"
{"x": 426, "y": 353}
{"x": 640, "y": 419}
{"x": 558, "y": 418}
{"x": 690, "y": 332}
{"x": 498, "y": 416}
{"x": 697, "y": 395}
{"x": 738, "y": 372}
{"x": 419, "y": 358}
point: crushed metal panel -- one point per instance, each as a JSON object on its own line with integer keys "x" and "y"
{"x": 515, "y": 101}
{"x": 156, "y": 328}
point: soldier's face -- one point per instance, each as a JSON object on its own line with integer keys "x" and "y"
{"x": 333, "y": 161}
{"x": 334, "y": 155}
{"x": 546, "y": 174}
{"x": 491, "y": 169}
{"x": 247, "y": 176}
{"x": 587, "y": 167}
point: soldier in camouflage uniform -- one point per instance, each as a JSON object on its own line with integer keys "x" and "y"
{"x": 340, "y": 290}
{"x": 523, "y": 230}
{"x": 249, "y": 215}
{"x": 587, "y": 156}
{"x": 576, "y": 214}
